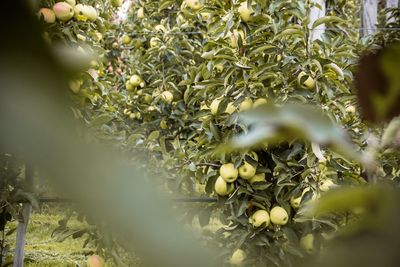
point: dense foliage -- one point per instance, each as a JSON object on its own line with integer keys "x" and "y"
{"x": 170, "y": 81}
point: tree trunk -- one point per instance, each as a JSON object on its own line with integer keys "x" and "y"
{"x": 392, "y": 4}
{"x": 317, "y": 11}
{"x": 369, "y": 17}
{"x": 19, "y": 253}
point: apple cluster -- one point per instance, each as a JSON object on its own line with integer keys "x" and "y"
{"x": 64, "y": 11}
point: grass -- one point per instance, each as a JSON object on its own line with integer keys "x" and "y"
{"x": 43, "y": 250}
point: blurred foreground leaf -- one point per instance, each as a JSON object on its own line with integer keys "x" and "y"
{"x": 291, "y": 121}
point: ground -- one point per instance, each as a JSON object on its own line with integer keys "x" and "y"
{"x": 43, "y": 250}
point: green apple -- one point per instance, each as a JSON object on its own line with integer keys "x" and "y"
{"x": 116, "y": 3}
{"x": 253, "y": 155}
{"x": 79, "y": 11}
{"x": 246, "y": 104}
{"x": 221, "y": 187}
{"x": 260, "y": 102}
{"x": 260, "y": 177}
{"x": 63, "y": 11}
{"x": 75, "y": 86}
{"x": 85, "y": 12}
{"x": 228, "y": 172}
{"x": 308, "y": 83}
{"x": 47, "y": 14}
{"x": 126, "y": 39}
{"x": 326, "y": 184}
{"x": 206, "y": 16}
{"x": 135, "y": 80}
{"x": 167, "y": 96}
{"x": 163, "y": 124}
{"x": 244, "y": 11}
{"x": 129, "y": 86}
{"x": 295, "y": 202}
{"x": 194, "y": 4}
{"x": 147, "y": 99}
{"x": 307, "y": 243}
{"x": 260, "y": 218}
{"x": 91, "y": 13}
{"x": 71, "y": 2}
{"x": 237, "y": 257}
{"x": 279, "y": 216}
{"x": 247, "y": 171}
{"x": 230, "y": 108}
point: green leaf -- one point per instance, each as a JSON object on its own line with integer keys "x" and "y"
{"x": 100, "y": 120}
{"x": 327, "y": 19}
{"x": 153, "y": 135}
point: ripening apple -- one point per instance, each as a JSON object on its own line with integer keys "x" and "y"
{"x": 221, "y": 187}
{"x": 247, "y": 171}
{"x": 279, "y": 216}
{"x": 95, "y": 261}
{"x": 260, "y": 218}
{"x": 135, "y": 80}
{"x": 237, "y": 257}
{"x": 307, "y": 243}
{"x": 247, "y": 104}
{"x": 47, "y": 14}
{"x": 308, "y": 83}
{"x": 193, "y": 4}
{"x": 63, "y": 11}
{"x": 214, "y": 106}
{"x": 167, "y": 96}
{"x": 228, "y": 172}
{"x": 244, "y": 11}
{"x": 260, "y": 177}
{"x": 259, "y": 102}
